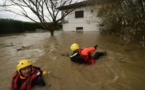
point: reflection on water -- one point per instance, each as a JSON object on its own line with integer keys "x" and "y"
{"x": 122, "y": 69}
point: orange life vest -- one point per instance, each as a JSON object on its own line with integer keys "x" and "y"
{"x": 79, "y": 58}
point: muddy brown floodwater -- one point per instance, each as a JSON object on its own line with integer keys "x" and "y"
{"x": 122, "y": 69}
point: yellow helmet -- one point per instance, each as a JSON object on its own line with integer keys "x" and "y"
{"x": 74, "y": 47}
{"x": 22, "y": 64}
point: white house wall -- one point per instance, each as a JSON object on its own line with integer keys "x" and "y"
{"x": 89, "y": 22}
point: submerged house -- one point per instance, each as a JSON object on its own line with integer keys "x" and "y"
{"x": 83, "y": 17}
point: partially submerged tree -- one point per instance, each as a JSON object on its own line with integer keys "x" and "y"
{"x": 45, "y": 10}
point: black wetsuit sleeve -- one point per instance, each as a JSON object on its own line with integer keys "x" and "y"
{"x": 38, "y": 81}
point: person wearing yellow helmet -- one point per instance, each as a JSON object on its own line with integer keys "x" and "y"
{"x": 26, "y": 76}
{"x": 74, "y": 47}
{"x": 83, "y": 55}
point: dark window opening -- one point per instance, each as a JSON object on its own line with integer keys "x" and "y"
{"x": 79, "y": 14}
{"x": 79, "y": 28}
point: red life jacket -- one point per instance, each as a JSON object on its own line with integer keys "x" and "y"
{"x": 88, "y": 58}
{"x": 27, "y": 84}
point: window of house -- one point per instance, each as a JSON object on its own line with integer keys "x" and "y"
{"x": 79, "y": 28}
{"x": 79, "y": 14}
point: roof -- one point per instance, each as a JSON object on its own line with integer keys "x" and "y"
{"x": 77, "y": 5}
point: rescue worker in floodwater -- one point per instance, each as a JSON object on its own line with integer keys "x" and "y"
{"x": 83, "y": 55}
{"x": 27, "y": 76}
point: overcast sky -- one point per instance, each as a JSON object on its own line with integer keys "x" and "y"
{"x": 17, "y": 17}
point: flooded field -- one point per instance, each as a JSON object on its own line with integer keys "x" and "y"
{"x": 122, "y": 69}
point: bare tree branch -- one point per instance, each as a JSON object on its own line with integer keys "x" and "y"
{"x": 45, "y": 10}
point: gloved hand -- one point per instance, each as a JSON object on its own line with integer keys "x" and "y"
{"x": 95, "y": 46}
{"x": 44, "y": 73}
